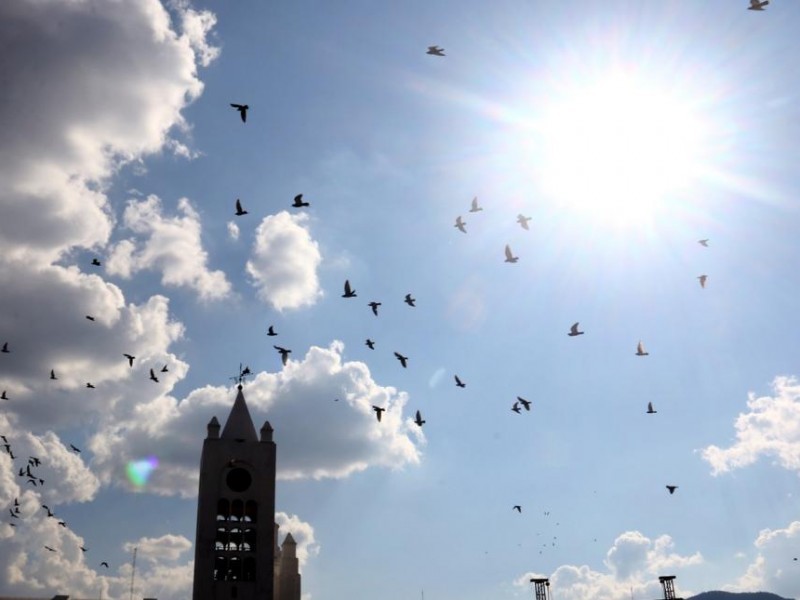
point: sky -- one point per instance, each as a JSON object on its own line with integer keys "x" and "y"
{"x": 623, "y": 132}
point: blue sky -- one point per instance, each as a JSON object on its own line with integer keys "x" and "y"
{"x": 627, "y": 131}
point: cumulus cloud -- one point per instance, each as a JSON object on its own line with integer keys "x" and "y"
{"x": 770, "y": 428}
{"x": 634, "y": 563}
{"x": 284, "y": 260}
{"x": 102, "y": 83}
{"x": 233, "y": 230}
{"x": 303, "y": 534}
{"x": 171, "y": 245}
{"x": 165, "y": 548}
{"x": 773, "y": 568}
{"x": 352, "y": 440}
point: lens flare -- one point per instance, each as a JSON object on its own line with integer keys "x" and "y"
{"x": 139, "y": 471}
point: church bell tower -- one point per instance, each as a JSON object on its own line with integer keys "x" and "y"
{"x": 234, "y": 552}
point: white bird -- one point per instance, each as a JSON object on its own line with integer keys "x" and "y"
{"x": 460, "y": 225}
{"x": 475, "y": 207}
{"x": 640, "y": 350}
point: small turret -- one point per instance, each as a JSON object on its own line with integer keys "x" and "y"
{"x": 213, "y": 429}
{"x": 266, "y": 432}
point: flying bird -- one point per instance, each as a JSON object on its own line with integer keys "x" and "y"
{"x": 573, "y": 331}
{"x": 74, "y": 449}
{"x": 517, "y": 508}
{"x": 5, "y": 349}
{"x": 705, "y": 241}
{"x": 89, "y": 385}
{"x": 348, "y": 291}
{"x": 130, "y": 358}
{"x": 459, "y": 383}
{"x": 374, "y": 306}
{"x": 370, "y": 344}
{"x": 650, "y": 410}
{"x": 96, "y": 263}
{"x": 33, "y": 460}
{"x": 153, "y": 376}
{"x": 83, "y": 549}
{"x": 242, "y": 108}
{"x": 510, "y": 258}
{"x": 49, "y": 549}
{"x": 298, "y": 202}
{"x": 435, "y": 51}
{"x": 239, "y": 210}
{"x": 164, "y": 369}
{"x": 419, "y": 421}
{"x": 460, "y": 225}
{"x": 403, "y": 359}
{"x": 474, "y": 206}
{"x": 409, "y": 300}
{"x": 640, "y": 350}
{"x": 756, "y": 5}
{"x": 523, "y": 221}
{"x": 90, "y": 317}
{"x": 702, "y": 279}
{"x": 104, "y": 564}
{"x": 284, "y": 354}
{"x": 12, "y": 514}
{"x": 516, "y": 408}
{"x": 62, "y": 523}
{"x": 378, "y": 412}
{"x": 672, "y": 488}
{"x": 53, "y": 374}
{"x": 3, "y": 396}
{"x": 525, "y": 403}
{"x": 271, "y": 331}
{"x": 49, "y": 512}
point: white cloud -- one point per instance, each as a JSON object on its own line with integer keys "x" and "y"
{"x": 233, "y": 230}
{"x": 171, "y": 245}
{"x": 283, "y": 264}
{"x": 165, "y": 548}
{"x": 352, "y": 439}
{"x": 303, "y": 534}
{"x": 774, "y": 568}
{"x": 770, "y": 428}
{"x": 103, "y": 87}
{"x": 634, "y": 563}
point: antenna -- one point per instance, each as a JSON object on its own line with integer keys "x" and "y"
{"x": 133, "y": 570}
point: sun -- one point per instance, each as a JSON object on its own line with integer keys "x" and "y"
{"x": 617, "y": 148}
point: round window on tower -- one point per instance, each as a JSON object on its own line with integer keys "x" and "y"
{"x": 238, "y": 479}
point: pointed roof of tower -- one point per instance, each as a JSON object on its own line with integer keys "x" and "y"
{"x": 289, "y": 540}
{"x": 239, "y": 425}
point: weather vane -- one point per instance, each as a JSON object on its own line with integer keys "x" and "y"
{"x": 241, "y": 376}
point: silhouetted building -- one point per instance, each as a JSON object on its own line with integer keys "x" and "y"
{"x": 236, "y": 551}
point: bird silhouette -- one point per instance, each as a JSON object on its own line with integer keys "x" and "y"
{"x": 348, "y": 291}
{"x": 298, "y": 202}
{"x": 239, "y": 210}
{"x": 419, "y": 421}
{"x": 89, "y": 385}
{"x": 271, "y": 331}
{"x": 703, "y": 242}
{"x": 515, "y": 407}
{"x": 435, "y": 51}
{"x": 62, "y": 523}
{"x": 702, "y": 279}
{"x": 75, "y": 449}
{"x": 104, "y": 564}
{"x": 757, "y": 5}
{"x": 374, "y": 306}
{"x": 409, "y": 300}
{"x": 96, "y": 263}
{"x": 460, "y": 225}
{"x": 523, "y": 221}
{"x": 49, "y": 512}
{"x": 474, "y": 206}
{"x": 130, "y": 358}
{"x": 153, "y": 376}
{"x": 242, "y": 108}
{"x": 378, "y": 412}
{"x": 370, "y": 344}
{"x": 517, "y": 508}
{"x": 672, "y": 488}
{"x": 284, "y": 354}
{"x": 14, "y": 516}
{"x": 33, "y": 460}
{"x": 53, "y": 374}
{"x": 403, "y": 359}
{"x": 510, "y": 258}
{"x": 640, "y": 350}
{"x": 650, "y": 410}
{"x": 83, "y": 549}
{"x": 90, "y": 317}
{"x": 3, "y": 396}
{"x": 573, "y": 331}
{"x": 459, "y": 383}
{"x": 525, "y": 403}
{"x": 164, "y": 369}
{"x": 5, "y": 349}
{"x": 49, "y": 549}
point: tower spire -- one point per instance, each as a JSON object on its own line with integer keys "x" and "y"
{"x": 239, "y": 425}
